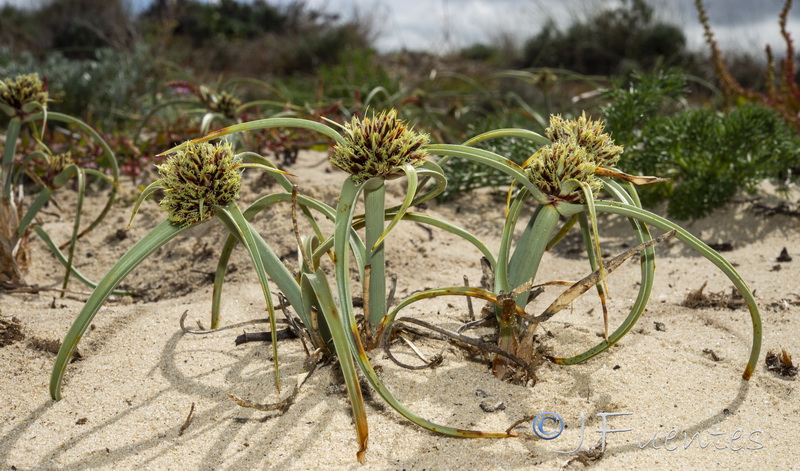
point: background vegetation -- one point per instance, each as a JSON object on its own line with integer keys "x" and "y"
{"x": 180, "y": 67}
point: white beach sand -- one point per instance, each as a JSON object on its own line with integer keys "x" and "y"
{"x": 126, "y": 401}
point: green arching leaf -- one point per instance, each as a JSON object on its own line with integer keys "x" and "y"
{"x": 318, "y": 285}
{"x": 645, "y": 286}
{"x": 157, "y": 237}
{"x": 698, "y": 246}
{"x": 425, "y": 219}
{"x": 504, "y": 258}
{"x": 267, "y": 124}
{"x": 509, "y": 132}
{"x": 65, "y": 175}
{"x": 373, "y": 93}
{"x": 525, "y": 260}
{"x": 112, "y": 158}
{"x": 63, "y": 260}
{"x": 41, "y": 199}
{"x": 208, "y": 118}
{"x": 429, "y": 169}
{"x": 237, "y": 224}
{"x": 411, "y": 174}
{"x": 470, "y": 291}
{"x": 344, "y": 214}
{"x": 258, "y": 206}
{"x": 146, "y": 193}
{"x": 493, "y": 160}
{"x": 76, "y": 224}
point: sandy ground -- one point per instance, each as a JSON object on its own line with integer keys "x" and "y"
{"x": 676, "y": 376}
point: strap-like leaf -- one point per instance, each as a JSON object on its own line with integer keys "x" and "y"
{"x": 157, "y": 237}
{"x": 318, "y": 284}
{"x": 266, "y": 124}
{"x": 698, "y": 246}
{"x": 237, "y": 224}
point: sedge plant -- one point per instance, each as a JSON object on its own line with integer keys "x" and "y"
{"x": 562, "y": 180}
{"x": 575, "y": 162}
{"x": 200, "y": 183}
{"x": 371, "y": 150}
{"x": 24, "y": 99}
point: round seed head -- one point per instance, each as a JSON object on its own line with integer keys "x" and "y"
{"x": 55, "y": 165}
{"x": 555, "y": 168}
{"x": 378, "y": 147}
{"x": 586, "y": 133}
{"x": 23, "y": 93}
{"x": 221, "y": 101}
{"x": 197, "y": 179}
{"x": 227, "y": 104}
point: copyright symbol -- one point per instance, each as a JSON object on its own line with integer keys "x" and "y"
{"x": 539, "y": 421}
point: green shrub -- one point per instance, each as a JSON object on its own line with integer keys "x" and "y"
{"x": 709, "y": 156}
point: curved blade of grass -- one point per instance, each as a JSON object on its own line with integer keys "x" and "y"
{"x": 493, "y": 160}
{"x": 429, "y": 169}
{"x": 208, "y": 118}
{"x": 470, "y": 291}
{"x": 237, "y": 224}
{"x": 526, "y": 134}
{"x": 602, "y": 290}
{"x": 81, "y": 176}
{"x": 425, "y": 219}
{"x": 504, "y": 257}
{"x": 698, "y": 246}
{"x": 411, "y": 174}
{"x": 647, "y": 263}
{"x": 63, "y": 260}
{"x": 527, "y": 256}
{"x": 41, "y": 199}
{"x": 258, "y": 206}
{"x": 146, "y": 193}
{"x": 580, "y": 287}
{"x": 265, "y": 124}
{"x": 319, "y": 285}
{"x": 344, "y": 215}
{"x": 112, "y": 161}
{"x": 258, "y": 83}
{"x": 157, "y": 237}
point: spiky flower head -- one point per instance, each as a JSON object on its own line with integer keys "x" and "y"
{"x": 588, "y": 134}
{"x": 559, "y": 168}
{"x": 23, "y": 94}
{"x": 220, "y": 101}
{"x": 55, "y": 165}
{"x": 378, "y": 147}
{"x": 197, "y": 179}
{"x": 227, "y": 104}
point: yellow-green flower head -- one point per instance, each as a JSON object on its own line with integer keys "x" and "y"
{"x": 586, "y": 133}
{"x": 378, "y": 147}
{"x": 557, "y": 168}
{"x": 55, "y": 165}
{"x": 197, "y": 179}
{"x": 221, "y": 101}
{"x": 227, "y": 104}
{"x": 23, "y": 94}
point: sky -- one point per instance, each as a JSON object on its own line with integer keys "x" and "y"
{"x": 441, "y": 26}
